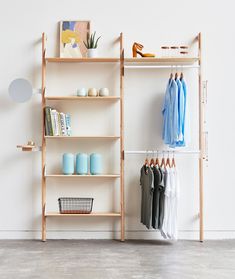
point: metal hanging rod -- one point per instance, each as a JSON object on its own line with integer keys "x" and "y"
{"x": 161, "y": 66}
{"x": 162, "y": 151}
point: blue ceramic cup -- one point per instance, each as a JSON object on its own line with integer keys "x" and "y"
{"x": 68, "y": 163}
{"x": 95, "y": 163}
{"x": 82, "y": 92}
{"x": 82, "y": 163}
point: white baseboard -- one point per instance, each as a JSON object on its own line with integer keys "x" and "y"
{"x": 148, "y": 235}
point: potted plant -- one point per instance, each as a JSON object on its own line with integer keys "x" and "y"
{"x": 91, "y": 44}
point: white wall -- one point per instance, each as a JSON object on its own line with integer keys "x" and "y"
{"x": 152, "y": 23}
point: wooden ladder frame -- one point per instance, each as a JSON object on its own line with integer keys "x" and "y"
{"x": 43, "y": 149}
{"x": 201, "y": 136}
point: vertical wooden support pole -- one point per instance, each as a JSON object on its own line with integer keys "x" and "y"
{"x": 122, "y": 138}
{"x": 201, "y": 141}
{"x": 43, "y": 139}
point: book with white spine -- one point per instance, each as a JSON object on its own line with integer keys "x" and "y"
{"x": 55, "y": 123}
{"x": 63, "y": 124}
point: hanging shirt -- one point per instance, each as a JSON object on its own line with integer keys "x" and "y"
{"x": 170, "y": 114}
{"x": 158, "y": 198}
{"x": 165, "y": 228}
{"x": 174, "y": 206}
{"x": 162, "y": 198}
{"x": 181, "y": 113}
{"x": 146, "y": 182}
{"x": 186, "y": 124}
{"x": 169, "y": 227}
{"x": 184, "y": 86}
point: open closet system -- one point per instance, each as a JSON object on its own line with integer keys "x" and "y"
{"x": 124, "y": 63}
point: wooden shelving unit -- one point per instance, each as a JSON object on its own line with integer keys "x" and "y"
{"x": 108, "y": 99}
{"x": 123, "y": 63}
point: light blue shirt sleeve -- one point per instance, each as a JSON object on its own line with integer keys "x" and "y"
{"x": 166, "y": 115}
{"x": 184, "y": 86}
{"x": 174, "y": 113}
{"x": 181, "y": 113}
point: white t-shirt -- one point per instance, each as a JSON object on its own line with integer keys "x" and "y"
{"x": 169, "y": 228}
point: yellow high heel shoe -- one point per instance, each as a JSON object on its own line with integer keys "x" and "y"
{"x": 136, "y": 49}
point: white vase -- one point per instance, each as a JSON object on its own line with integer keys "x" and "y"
{"x": 92, "y": 53}
{"x": 104, "y": 92}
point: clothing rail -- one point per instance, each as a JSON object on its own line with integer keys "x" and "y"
{"x": 161, "y": 66}
{"x": 162, "y": 151}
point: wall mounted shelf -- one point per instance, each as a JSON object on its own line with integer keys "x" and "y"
{"x": 76, "y": 98}
{"x": 83, "y": 176}
{"x": 170, "y": 60}
{"x": 84, "y": 137}
{"x": 29, "y": 148}
{"x": 83, "y": 60}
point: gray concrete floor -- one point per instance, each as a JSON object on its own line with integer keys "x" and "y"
{"x": 108, "y": 259}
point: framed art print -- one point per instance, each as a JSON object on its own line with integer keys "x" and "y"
{"x": 72, "y": 35}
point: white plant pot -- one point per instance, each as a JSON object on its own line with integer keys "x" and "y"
{"x": 92, "y": 53}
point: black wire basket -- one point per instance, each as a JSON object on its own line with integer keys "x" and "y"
{"x": 75, "y": 205}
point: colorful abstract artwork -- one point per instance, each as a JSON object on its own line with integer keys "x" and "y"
{"x": 72, "y": 35}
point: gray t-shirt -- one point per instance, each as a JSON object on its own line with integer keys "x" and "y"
{"x": 146, "y": 182}
{"x": 162, "y": 187}
{"x": 158, "y": 198}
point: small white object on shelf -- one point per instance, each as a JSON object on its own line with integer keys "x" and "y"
{"x": 103, "y": 92}
{"x": 92, "y": 53}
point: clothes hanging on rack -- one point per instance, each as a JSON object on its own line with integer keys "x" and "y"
{"x": 174, "y": 113}
{"x": 159, "y": 201}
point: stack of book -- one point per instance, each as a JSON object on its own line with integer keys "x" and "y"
{"x": 57, "y": 123}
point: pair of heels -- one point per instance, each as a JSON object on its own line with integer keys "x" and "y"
{"x": 136, "y": 49}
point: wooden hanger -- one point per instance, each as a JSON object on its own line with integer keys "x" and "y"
{"x": 146, "y": 162}
{"x": 152, "y": 162}
{"x": 168, "y": 161}
{"x": 176, "y": 76}
{"x": 173, "y": 164}
{"x": 171, "y": 75}
{"x": 157, "y": 163}
{"x": 181, "y": 75}
{"x": 163, "y": 164}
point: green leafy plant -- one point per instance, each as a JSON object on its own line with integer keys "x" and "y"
{"x": 91, "y": 42}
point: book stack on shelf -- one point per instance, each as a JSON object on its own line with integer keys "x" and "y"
{"x": 57, "y": 123}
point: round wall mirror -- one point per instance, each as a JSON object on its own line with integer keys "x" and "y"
{"x": 20, "y": 90}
